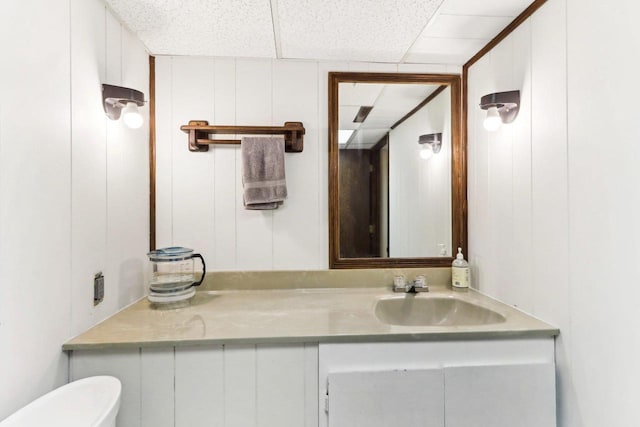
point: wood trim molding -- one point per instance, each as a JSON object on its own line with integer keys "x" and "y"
{"x": 504, "y": 33}
{"x": 458, "y": 175}
{"x": 152, "y": 153}
{"x": 427, "y": 100}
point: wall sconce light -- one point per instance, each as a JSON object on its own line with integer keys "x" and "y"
{"x": 431, "y": 144}
{"x": 123, "y": 101}
{"x": 502, "y": 107}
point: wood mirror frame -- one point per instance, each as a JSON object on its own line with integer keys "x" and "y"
{"x": 458, "y": 170}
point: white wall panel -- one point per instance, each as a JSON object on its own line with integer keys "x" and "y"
{"x": 88, "y": 157}
{"x": 225, "y": 169}
{"x": 128, "y": 190}
{"x": 35, "y": 198}
{"x": 254, "y": 228}
{"x": 247, "y": 92}
{"x": 193, "y": 178}
{"x": 164, "y": 151}
{"x": 295, "y": 227}
{"x": 478, "y": 178}
{"x": 604, "y": 207}
{"x": 59, "y": 173}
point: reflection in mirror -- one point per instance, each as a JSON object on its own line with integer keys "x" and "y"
{"x": 395, "y": 193}
{"x": 393, "y": 162}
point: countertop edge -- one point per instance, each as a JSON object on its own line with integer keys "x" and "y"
{"x": 398, "y": 337}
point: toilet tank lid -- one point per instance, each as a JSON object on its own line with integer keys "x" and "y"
{"x": 88, "y": 402}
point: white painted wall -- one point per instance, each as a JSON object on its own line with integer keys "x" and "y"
{"x": 73, "y": 187}
{"x": 554, "y": 200}
{"x": 199, "y": 195}
{"x": 420, "y": 190}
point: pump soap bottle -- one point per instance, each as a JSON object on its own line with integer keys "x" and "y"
{"x": 460, "y": 276}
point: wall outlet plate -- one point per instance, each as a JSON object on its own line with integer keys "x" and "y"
{"x": 98, "y": 288}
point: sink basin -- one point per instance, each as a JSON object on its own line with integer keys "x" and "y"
{"x": 411, "y": 310}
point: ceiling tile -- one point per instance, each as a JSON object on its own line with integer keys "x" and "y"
{"x": 200, "y": 27}
{"x": 510, "y": 8}
{"x": 445, "y": 50}
{"x": 361, "y": 30}
{"x": 466, "y": 27}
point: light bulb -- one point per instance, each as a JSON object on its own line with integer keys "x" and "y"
{"x": 131, "y": 116}
{"x": 493, "y": 121}
{"x": 426, "y": 151}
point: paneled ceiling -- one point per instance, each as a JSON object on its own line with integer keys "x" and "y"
{"x": 397, "y": 31}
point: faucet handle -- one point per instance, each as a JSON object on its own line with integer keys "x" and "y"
{"x": 420, "y": 284}
{"x": 399, "y": 283}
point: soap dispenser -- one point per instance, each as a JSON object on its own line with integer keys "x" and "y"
{"x": 460, "y": 276}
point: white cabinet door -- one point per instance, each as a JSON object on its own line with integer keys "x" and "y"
{"x": 397, "y": 398}
{"x": 500, "y": 396}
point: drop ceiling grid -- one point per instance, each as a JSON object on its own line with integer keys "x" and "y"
{"x": 365, "y": 30}
{"x": 234, "y": 28}
{"x": 390, "y": 31}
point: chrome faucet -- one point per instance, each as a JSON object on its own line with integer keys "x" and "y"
{"x": 419, "y": 284}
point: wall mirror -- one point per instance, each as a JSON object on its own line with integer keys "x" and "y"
{"x": 397, "y": 170}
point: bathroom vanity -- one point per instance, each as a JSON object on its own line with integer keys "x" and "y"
{"x": 324, "y": 357}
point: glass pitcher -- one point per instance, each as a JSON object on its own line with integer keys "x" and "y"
{"x": 172, "y": 269}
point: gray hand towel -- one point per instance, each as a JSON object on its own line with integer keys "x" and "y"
{"x": 263, "y": 178}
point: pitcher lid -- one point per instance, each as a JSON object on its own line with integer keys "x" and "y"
{"x": 170, "y": 252}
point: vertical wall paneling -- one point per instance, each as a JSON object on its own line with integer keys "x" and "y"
{"x": 130, "y": 216}
{"x": 295, "y": 224}
{"x": 164, "y": 152}
{"x": 193, "y": 179}
{"x": 604, "y": 207}
{"x": 478, "y": 172}
{"x": 35, "y": 198}
{"x": 529, "y": 265}
{"x": 115, "y": 233}
{"x": 280, "y": 385}
{"x": 88, "y": 148}
{"x": 246, "y": 92}
{"x": 500, "y": 177}
{"x": 549, "y": 162}
{"x": 65, "y": 211}
{"x": 157, "y": 387}
{"x": 225, "y": 169}
{"x": 521, "y": 172}
{"x": 199, "y": 386}
{"x": 122, "y": 364}
{"x": 254, "y": 101}
{"x": 240, "y": 388}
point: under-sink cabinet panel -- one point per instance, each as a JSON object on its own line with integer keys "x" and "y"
{"x": 500, "y": 396}
{"x": 407, "y": 398}
{"x": 482, "y": 383}
{"x": 215, "y": 385}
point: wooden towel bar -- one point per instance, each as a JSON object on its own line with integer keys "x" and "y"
{"x": 199, "y": 131}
